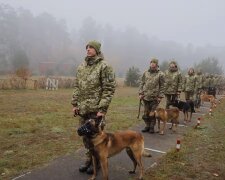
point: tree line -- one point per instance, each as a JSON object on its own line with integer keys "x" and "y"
{"x": 27, "y": 40}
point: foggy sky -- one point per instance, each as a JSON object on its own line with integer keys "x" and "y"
{"x": 199, "y": 22}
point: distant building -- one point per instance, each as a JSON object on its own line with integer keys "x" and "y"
{"x": 51, "y": 68}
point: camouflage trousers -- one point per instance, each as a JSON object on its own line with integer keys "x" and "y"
{"x": 189, "y": 95}
{"x": 170, "y": 98}
{"x": 149, "y": 113}
{"x": 197, "y": 101}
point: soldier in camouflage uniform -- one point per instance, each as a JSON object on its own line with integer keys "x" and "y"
{"x": 206, "y": 83}
{"x": 173, "y": 83}
{"x": 199, "y": 87}
{"x": 189, "y": 85}
{"x": 220, "y": 84}
{"x": 151, "y": 91}
{"x": 94, "y": 89}
{"x": 212, "y": 85}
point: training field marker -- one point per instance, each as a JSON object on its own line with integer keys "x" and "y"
{"x": 155, "y": 150}
{"x": 178, "y": 145}
{"x": 21, "y": 176}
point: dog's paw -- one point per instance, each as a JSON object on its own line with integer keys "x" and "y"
{"x": 131, "y": 172}
{"x": 161, "y": 133}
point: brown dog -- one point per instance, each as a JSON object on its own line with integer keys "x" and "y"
{"x": 105, "y": 145}
{"x": 166, "y": 115}
{"x": 208, "y": 98}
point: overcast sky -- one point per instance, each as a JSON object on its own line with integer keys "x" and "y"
{"x": 199, "y": 22}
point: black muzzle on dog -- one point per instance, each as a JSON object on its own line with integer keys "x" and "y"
{"x": 85, "y": 130}
{"x": 90, "y": 128}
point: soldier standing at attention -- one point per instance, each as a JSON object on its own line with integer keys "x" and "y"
{"x": 151, "y": 92}
{"x": 173, "y": 83}
{"x": 199, "y": 87}
{"x": 206, "y": 83}
{"x": 190, "y": 86}
{"x": 94, "y": 89}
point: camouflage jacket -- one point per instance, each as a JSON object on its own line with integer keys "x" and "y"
{"x": 173, "y": 82}
{"x": 94, "y": 86}
{"x": 152, "y": 85}
{"x": 189, "y": 83}
{"x": 212, "y": 82}
{"x": 207, "y": 82}
{"x": 199, "y": 81}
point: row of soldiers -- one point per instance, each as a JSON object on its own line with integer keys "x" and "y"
{"x": 156, "y": 84}
{"x": 95, "y": 86}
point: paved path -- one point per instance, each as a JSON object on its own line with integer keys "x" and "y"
{"x": 66, "y": 168}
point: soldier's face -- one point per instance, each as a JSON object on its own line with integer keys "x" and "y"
{"x": 153, "y": 65}
{"x": 173, "y": 66}
{"x": 191, "y": 71}
{"x": 91, "y": 51}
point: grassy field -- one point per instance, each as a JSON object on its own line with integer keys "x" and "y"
{"x": 38, "y": 126}
{"x": 202, "y": 154}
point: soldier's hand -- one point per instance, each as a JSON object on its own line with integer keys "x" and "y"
{"x": 141, "y": 96}
{"x": 75, "y": 111}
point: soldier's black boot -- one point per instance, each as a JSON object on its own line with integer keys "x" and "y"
{"x": 84, "y": 167}
{"x": 90, "y": 169}
{"x": 152, "y": 125}
{"x": 146, "y": 129}
{"x": 87, "y": 164}
{"x": 147, "y": 123}
{"x": 151, "y": 130}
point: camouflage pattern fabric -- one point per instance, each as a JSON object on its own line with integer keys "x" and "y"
{"x": 199, "y": 81}
{"x": 189, "y": 84}
{"x": 152, "y": 85}
{"x": 189, "y": 95}
{"x": 149, "y": 108}
{"x": 207, "y": 82}
{"x": 173, "y": 82}
{"x": 94, "y": 86}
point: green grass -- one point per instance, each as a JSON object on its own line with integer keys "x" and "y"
{"x": 38, "y": 126}
{"x": 202, "y": 154}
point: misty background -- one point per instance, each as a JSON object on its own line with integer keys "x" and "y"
{"x": 46, "y": 33}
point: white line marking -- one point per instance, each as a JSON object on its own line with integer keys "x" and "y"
{"x": 181, "y": 125}
{"x": 155, "y": 150}
{"x": 153, "y": 165}
{"x": 21, "y": 176}
{"x": 205, "y": 107}
{"x": 200, "y": 113}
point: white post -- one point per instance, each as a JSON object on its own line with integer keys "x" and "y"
{"x": 47, "y": 83}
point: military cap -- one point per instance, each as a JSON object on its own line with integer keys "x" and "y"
{"x": 173, "y": 62}
{"x": 96, "y": 45}
{"x": 154, "y": 60}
